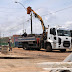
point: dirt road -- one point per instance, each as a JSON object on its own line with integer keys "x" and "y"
{"x": 20, "y": 60}
{"x": 54, "y": 56}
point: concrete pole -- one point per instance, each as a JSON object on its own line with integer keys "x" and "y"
{"x": 23, "y": 28}
{"x": 31, "y": 22}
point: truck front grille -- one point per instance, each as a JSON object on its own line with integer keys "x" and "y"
{"x": 66, "y": 44}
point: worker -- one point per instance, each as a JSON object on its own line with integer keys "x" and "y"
{"x": 25, "y": 34}
{"x": 10, "y": 46}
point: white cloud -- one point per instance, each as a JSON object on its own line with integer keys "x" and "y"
{"x": 68, "y": 25}
{"x": 13, "y": 20}
{"x": 16, "y": 15}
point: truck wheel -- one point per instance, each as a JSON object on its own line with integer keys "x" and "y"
{"x": 48, "y": 48}
{"x": 25, "y": 47}
{"x": 65, "y": 71}
{"x": 38, "y": 49}
{"x": 63, "y": 50}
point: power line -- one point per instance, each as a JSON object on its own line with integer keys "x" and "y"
{"x": 46, "y": 14}
{"x": 16, "y": 19}
{"x": 58, "y": 10}
{"x": 51, "y": 13}
{"x": 8, "y": 12}
{"x": 16, "y": 26}
{"x": 10, "y": 8}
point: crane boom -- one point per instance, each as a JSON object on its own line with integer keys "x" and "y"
{"x": 36, "y": 15}
{"x": 42, "y": 23}
{"x": 29, "y": 10}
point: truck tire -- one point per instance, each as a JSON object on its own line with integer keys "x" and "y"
{"x": 65, "y": 71}
{"x": 62, "y": 50}
{"x": 38, "y": 49}
{"x": 48, "y": 48}
{"x": 25, "y": 47}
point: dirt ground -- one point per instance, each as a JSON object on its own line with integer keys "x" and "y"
{"x": 19, "y": 60}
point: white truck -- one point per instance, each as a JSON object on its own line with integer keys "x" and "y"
{"x": 54, "y": 38}
{"x": 58, "y": 38}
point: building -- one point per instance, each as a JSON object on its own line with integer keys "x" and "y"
{"x": 4, "y": 40}
{"x": 14, "y": 40}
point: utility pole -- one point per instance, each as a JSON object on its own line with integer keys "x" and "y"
{"x": 23, "y": 28}
{"x": 31, "y": 22}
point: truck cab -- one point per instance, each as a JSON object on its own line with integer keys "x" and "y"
{"x": 59, "y": 38}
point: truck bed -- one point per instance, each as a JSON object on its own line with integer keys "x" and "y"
{"x": 25, "y": 39}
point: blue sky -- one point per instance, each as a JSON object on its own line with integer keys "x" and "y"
{"x": 13, "y": 16}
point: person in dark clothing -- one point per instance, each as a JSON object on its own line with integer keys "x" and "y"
{"x": 10, "y": 48}
{"x": 25, "y": 34}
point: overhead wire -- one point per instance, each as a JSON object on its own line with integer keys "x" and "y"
{"x": 59, "y": 10}
{"x": 13, "y": 8}
{"x": 48, "y": 14}
{"x": 56, "y": 11}
{"x": 10, "y": 8}
{"x": 7, "y": 12}
{"x": 16, "y": 26}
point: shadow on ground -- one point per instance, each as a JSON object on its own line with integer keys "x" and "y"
{"x": 16, "y": 58}
{"x": 54, "y": 51}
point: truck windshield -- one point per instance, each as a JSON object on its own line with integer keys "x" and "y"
{"x": 63, "y": 33}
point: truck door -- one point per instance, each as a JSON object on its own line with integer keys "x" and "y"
{"x": 55, "y": 39}
{"x": 53, "y": 36}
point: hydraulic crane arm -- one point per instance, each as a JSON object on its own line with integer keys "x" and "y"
{"x": 42, "y": 23}
{"x": 29, "y": 10}
{"x": 36, "y": 15}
